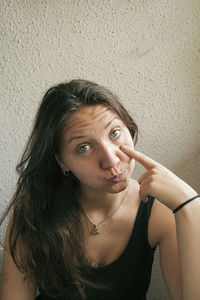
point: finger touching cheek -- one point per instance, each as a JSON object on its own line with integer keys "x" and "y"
{"x": 127, "y": 149}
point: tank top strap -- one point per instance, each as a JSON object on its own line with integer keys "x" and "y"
{"x": 142, "y": 220}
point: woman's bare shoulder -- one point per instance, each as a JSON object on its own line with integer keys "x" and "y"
{"x": 13, "y": 284}
{"x": 161, "y": 222}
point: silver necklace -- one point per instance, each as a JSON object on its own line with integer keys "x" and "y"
{"x": 95, "y": 227}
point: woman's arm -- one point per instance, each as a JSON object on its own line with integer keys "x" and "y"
{"x": 13, "y": 285}
{"x": 188, "y": 237}
{"x": 170, "y": 190}
{"x": 162, "y": 232}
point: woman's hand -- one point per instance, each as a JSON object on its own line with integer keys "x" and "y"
{"x": 159, "y": 182}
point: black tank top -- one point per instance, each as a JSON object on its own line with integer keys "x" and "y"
{"x": 129, "y": 276}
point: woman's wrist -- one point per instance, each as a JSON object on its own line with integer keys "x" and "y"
{"x": 181, "y": 196}
{"x": 185, "y": 203}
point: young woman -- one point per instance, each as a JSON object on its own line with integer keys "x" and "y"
{"x": 78, "y": 228}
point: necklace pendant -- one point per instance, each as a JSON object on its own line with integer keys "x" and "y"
{"x": 94, "y": 230}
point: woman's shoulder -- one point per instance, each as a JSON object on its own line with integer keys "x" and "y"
{"x": 161, "y": 222}
{"x": 22, "y": 288}
{"x": 161, "y": 219}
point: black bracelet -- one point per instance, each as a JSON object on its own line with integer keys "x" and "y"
{"x": 180, "y": 206}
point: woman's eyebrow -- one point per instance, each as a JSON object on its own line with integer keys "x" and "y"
{"x": 115, "y": 118}
{"x": 76, "y": 137}
{"x": 84, "y": 136}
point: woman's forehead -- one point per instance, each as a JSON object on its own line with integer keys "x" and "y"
{"x": 88, "y": 116}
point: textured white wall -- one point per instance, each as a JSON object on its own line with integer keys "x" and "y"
{"x": 148, "y": 52}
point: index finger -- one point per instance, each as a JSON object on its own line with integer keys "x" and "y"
{"x": 144, "y": 160}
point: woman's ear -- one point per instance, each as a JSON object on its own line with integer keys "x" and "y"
{"x": 61, "y": 164}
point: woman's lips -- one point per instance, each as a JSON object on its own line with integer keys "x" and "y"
{"x": 117, "y": 178}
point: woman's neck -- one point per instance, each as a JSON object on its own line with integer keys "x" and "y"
{"x": 100, "y": 203}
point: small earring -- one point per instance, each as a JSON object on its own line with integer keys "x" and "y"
{"x": 65, "y": 172}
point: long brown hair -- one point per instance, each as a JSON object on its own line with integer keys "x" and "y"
{"x": 46, "y": 212}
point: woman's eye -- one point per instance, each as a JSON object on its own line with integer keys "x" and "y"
{"x": 115, "y": 133}
{"x": 83, "y": 148}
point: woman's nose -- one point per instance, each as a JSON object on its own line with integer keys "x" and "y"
{"x": 109, "y": 158}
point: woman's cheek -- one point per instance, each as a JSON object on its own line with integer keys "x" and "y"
{"x": 126, "y": 138}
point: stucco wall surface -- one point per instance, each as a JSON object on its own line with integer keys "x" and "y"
{"x": 147, "y": 52}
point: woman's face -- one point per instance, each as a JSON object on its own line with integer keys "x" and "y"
{"x": 90, "y": 149}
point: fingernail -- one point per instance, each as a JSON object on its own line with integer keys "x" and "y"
{"x": 123, "y": 147}
{"x": 145, "y": 200}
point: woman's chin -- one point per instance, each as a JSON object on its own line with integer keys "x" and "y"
{"x": 120, "y": 186}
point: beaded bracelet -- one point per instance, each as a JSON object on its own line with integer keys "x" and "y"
{"x": 180, "y": 206}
